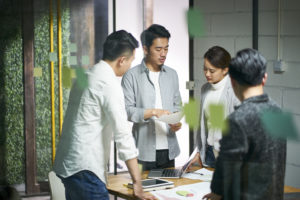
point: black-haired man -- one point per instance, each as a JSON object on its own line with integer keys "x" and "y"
{"x": 251, "y": 163}
{"x": 93, "y": 115}
{"x": 151, "y": 89}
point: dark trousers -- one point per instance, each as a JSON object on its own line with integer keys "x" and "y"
{"x": 84, "y": 185}
{"x": 162, "y": 161}
{"x": 210, "y": 159}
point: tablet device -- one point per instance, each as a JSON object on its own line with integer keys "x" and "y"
{"x": 154, "y": 184}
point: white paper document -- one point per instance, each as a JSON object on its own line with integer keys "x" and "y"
{"x": 194, "y": 191}
{"x": 172, "y": 118}
{"x": 201, "y": 174}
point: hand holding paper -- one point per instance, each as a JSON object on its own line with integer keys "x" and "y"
{"x": 172, "y": 118}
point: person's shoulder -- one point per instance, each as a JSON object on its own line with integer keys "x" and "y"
{"x": 134, "y": 70}
{"x": 169, "y": 69}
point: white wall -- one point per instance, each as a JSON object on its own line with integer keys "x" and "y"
{"x": 229, "y": 24}
{"x": 130, "y": 18}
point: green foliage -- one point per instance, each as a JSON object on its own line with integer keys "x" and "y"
{"x": 43, "y": 88}
{"x": 14, "y": 122}
{"x": 12, "y": 160}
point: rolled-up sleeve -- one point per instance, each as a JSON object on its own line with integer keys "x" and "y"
{"x": 134, "y": 113}
{"x": 177, "y": 96}
{"x": 115, "y": 110}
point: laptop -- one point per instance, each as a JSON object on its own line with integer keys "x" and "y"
{"x": 171, "y": 173}
{"x": 168, "y": 173}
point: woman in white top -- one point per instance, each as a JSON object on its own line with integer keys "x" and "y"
{"x": 217, "y": 90}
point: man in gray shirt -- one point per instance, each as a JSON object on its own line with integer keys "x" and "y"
{"x": 151, "y": 90}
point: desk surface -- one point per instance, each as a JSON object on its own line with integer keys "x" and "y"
{"x": 117, "y": 185}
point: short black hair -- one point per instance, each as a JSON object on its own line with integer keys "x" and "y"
{"x": 153, "y": 32}
{"x": 117, "y": 44}
{"x": 218, "y": 57}
{"x": 248, "y": 67}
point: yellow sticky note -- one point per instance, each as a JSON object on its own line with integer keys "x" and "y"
{"x": 191, "y": 111}
{"x": 67, "y": 79}
{"x": 37, "y": 72}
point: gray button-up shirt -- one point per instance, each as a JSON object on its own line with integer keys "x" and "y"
{"x": 139, "y": 95}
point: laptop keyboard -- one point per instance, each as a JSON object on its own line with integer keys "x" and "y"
{"x": 170, "y": 173}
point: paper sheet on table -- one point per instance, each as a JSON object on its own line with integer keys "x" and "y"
{"x": 201, "y": 174}
{"x": 195, "y": 191}
{"x": 172, "y": 118}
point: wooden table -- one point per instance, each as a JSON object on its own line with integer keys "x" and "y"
{"x": 117, "y": 185}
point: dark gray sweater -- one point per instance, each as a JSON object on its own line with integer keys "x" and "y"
{"x": 251, "y": 163}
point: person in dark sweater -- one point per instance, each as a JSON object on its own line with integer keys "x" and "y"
{"x": 251, "y": 163}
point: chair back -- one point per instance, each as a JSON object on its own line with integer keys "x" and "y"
{"x": 56, "y": 187}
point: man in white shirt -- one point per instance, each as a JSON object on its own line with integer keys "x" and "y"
{"x": 94, "y": 114}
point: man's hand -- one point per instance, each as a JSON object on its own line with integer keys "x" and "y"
{"x": 155, "y": 112}
{"x": 212, "y": 196}
{"x": 160, "y": 112}
{"x": 138, "y": 192}
{"x": 175, "y": 127}
{"x": 196, "y": 159}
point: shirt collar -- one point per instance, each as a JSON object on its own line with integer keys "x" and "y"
{"x": 146, "y": 69}
{"x": 108, "y": 67}
{"x": 256, "y": 99}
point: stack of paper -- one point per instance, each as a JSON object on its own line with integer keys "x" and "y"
{"x": 201, "y": 174}
{"x": 194, "y": 191}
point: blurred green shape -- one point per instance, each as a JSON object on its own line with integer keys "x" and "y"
{"x": 67, "y": 77}
{"x": 73, "y": 60}
{"x": 279, "y": 124}
{"x": 217, "y": 117}
{"x": 195, "y": 22}
{"x": 191, "y": 112}
{"x": 73, "y": 47}
{"x": 85, "y": 60}
{"x": 37, "y": 72}
{"x": 52, "y": 57}
{"x": 81, "y": 78}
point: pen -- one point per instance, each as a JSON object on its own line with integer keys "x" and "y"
{"x": 197, "y": 173}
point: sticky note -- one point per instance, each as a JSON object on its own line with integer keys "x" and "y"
{"x": 73, "y": 47}
{"x": 217, "y": 117}
{"x": 191, "y": 112}
{"x": 37, "y": 72}
{"x": 81, "y": 78}
{"x": 184, "y": 193}
{"x": 195, "y": 22}
{"x": 73, "y": 60}
{"x": 73, "y": 73}
{"x": 52, "y": 57}
{"x": 140, "y": 168}
{"x": 279, "y": 124}
{"x": 66, "y": 78}
{"x": 85, "y": 60}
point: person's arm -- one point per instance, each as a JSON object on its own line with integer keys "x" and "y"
{"x": 148, "y": 113}
{"x": 135, "y": 174}
{"x": 175, "y": 127}
{"x": 196, "y": 159}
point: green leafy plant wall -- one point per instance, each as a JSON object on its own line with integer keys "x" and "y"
{"x": 12, "y": 156}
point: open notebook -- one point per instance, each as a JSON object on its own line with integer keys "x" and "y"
{"x": 171, "y": 173}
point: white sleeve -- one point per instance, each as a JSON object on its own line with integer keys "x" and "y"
{"x": 115, "y": 110}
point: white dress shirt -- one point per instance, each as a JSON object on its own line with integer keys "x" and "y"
{"x": 93, "y": 116}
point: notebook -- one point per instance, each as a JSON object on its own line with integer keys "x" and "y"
{"x": 171, "y": 173}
